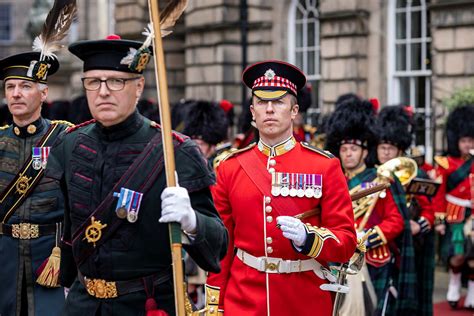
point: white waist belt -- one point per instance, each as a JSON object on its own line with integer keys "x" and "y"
{"x": 457, "y": 201}
{"x": 278, "y": 265}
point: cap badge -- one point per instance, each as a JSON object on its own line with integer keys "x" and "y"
{"x": 269, "y": 74}
{"x": 38, "y": 70}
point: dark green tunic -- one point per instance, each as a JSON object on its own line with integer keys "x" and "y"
{"x": 20, "y": 258}
{"x": 89, "y": 161}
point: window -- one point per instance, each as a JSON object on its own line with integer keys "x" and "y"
{"x": 5, "y": 22}
{"x": 304, "y": 46}
{"x": 409, "y": 68}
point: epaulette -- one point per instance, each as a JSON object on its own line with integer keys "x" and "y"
{"x": 324, "y": 153}
{"x": 179, "y": 137}
{"x": 238, "y": 151}
{"x": 75, "y": 127}
{"x": 442, "y": 161}
{"x": 4, "y": 127}
{"x": 62, "y": 122}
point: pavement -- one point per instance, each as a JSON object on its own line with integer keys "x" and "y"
{"x": 440, "y": 305}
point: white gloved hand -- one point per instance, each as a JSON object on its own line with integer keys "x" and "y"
{"x": 360, "y": 234}
{"x": 176, "y": 207}
{"x": 292, "y": 229}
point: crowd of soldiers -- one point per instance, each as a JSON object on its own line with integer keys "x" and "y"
{"x": 281, "y": 219}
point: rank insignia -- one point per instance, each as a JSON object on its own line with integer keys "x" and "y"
{"x": 39, "y": 157}
{"x": 128, "y": 204}
{"x": 297, "y": 185}
{"x": 94, "y": 231}
{"x": 22, "y": 184}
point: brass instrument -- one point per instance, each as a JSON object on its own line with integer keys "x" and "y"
{"x": 405, "y": 169}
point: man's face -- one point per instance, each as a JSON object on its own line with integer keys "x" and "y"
{"x": 352, "y": 156}
{"x": 24, "y": 99}
{"x": 112, "y": 107}
{"x": 274, "y": 118}
{"x": 466, "y": 144}
{"x": 207, "y": 149}
{"x": 385, "y": 152}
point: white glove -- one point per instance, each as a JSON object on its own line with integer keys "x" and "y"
{"x": 360, "y": 234}
{"x": 176, "y": 207}
{"x": 292, "y": 229}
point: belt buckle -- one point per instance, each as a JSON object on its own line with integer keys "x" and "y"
{"x": 100, "y": 288}
{"x": 25, "y": 231}
{"x": 271, "y": 266}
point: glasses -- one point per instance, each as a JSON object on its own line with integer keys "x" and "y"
{"x": 113, "y": 84}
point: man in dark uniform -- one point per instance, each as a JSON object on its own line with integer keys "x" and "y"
{"x": 395, "y": 126}
{"x": 31, "y": 205}
{"x": 116, "y": 250}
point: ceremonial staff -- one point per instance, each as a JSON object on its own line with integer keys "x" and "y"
{"x": 172, "y": 11}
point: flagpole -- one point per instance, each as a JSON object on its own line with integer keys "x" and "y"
{"x": 168, "y": 152}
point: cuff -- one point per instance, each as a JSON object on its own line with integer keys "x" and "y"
{"x": 316, "y": 236}
{"x": 424, "y": 225}
{"x": 376, "y": 238}
{"x": 440, "y": 218}
{"x": 212, "y": 300}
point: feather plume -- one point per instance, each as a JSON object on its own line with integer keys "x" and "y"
{"x": 171, "y": 14}
{"x": 55, "y": 28}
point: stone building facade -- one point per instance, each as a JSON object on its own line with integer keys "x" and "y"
{"x": 411, "y": 52}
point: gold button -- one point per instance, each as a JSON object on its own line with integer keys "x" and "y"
{"x": 31, "y": 129}
{"x": 271, "y": 170}
{"x": 269, "y": 219}
{"x": 269, "y": 240}
{"x": 272, "y": 162}
{"x": 268, "y": 209}
{"x": 213, "y": 299}
{"x": 268, "y": 199}
{"x": 269, "y": 249}
{"x": 16, "y": 130}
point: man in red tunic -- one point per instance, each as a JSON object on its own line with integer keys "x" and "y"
{"x": 275, "y": 261}
{"x": 453, "y": 202}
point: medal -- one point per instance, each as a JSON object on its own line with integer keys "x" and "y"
{"x": 136, "y": 200}
{"x": 300, "y": 192}
{"x": 284, "y": 184}
{"x": 121, "y": 212}
{"x": 132, "y": 217}
{"x": 318, "y": 185}
{"x": 285, "y": 191}
{"x": 44, "y": 156}
{"x": 275, "y": 184}
{"x": 293, "y": 190}
{"x": 36, "y": 158}
{"x": 308, "y": 192}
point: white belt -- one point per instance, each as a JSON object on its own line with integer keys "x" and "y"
{"x": 278, "y": 265}
{"x": 457, "y": 201}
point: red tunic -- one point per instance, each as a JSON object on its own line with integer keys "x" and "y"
{"x": 252, "y": 228}
{"x": 453, "y": 211}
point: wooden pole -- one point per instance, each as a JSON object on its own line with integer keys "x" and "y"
{"x": 168, "y": 151}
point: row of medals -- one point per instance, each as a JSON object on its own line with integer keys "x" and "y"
{"x": 299, "y": 189}
{"x": 38, "y": 164}
{"x": 285, "y": 190}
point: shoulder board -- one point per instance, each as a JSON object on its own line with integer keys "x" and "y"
{"x": 442, "y": 161}
{"x": 75, "y": 127}
{"x": 4, "y": 127}
{"x": 61, "y": 122}
{"x": 238, "y": 151}
{"x": 324, "y": 153}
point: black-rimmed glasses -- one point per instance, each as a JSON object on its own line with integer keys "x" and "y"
{"x": 113, "y": 84}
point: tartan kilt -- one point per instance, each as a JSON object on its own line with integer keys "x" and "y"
{"x": 425, "y": 266}
{"x": 380, "y": 279}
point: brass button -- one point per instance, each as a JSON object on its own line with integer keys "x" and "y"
{"x": 272, "y": 162}
{"x": 269, "y": 249}
{"x": 31, "y": 129}
{"x": 269, "y": 219}
{"x": 16, "y": 130}
{"x": 269, "y": 240}
{"x": 213, "y": 299}
{"x": 268, "y": 199}
{"x": 268, "y": 209}
{"x": 271, "y": 170}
